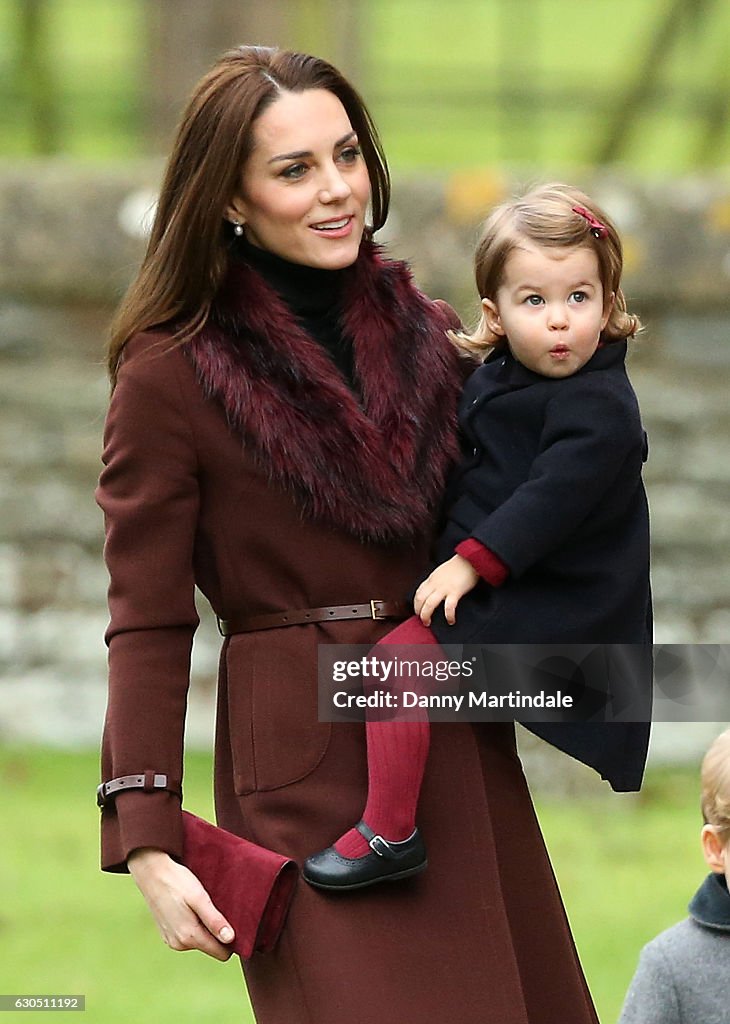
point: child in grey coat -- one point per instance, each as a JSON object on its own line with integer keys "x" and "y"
{"x": 683, "y": 975}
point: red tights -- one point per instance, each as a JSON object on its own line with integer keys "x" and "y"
{"x": 397, "y": 754}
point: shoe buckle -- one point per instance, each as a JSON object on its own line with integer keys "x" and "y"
{"x": 377, "y": 843}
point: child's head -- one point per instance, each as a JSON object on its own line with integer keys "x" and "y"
{"x": 716, "y": 805}
{"x": 545, "y": 238}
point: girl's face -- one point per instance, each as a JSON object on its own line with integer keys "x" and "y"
{"x": 550, "y": 307}
{"x": 305, "y": 187}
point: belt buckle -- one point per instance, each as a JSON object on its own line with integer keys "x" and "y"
{"x": 376, "y": 613}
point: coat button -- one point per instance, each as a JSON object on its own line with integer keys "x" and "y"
{"x": 475, "y": 452}
{"x": 475, "y": 400}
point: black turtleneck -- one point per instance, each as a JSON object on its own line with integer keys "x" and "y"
{"x": 312, "y": 294}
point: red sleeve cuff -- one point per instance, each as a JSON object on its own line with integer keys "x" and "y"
{"x": 489, "y": 566}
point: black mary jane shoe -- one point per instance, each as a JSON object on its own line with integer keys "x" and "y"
{"x": 388, "y": 862}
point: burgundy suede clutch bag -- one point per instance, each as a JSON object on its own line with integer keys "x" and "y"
{"x": 250, "y": 885}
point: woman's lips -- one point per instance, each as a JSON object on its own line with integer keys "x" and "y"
{"x": 338, "y": 227}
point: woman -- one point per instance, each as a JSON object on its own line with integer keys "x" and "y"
{"x": 279, "y": 433}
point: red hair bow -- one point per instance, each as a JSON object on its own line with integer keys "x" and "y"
{"x": 598, "y": 230}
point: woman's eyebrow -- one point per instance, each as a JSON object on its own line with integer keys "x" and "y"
{"x": 298, "y": 154}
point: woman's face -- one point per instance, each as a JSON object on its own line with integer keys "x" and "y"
{"x": 305, "y": 187}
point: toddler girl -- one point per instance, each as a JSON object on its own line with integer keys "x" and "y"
{"x": 546, "y": 536}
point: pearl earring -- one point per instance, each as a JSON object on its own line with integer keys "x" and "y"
{"x": 238, "y": 228}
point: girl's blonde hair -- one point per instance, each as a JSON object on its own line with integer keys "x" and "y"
{"x": 716, "y": 785}
{"x": 546, "y": 216}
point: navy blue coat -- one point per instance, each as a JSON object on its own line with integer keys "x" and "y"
{"x": 550, "y": 481}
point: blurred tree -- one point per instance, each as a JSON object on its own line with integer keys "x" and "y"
{"x": 711, "y": 143}
{"x": 674, "y": 22}
{"x": 332, "y": 29}
{"x": 185, "y": 37}
{"x": 35, "y": 75}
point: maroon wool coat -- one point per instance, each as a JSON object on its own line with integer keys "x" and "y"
{"x": 242, "y": 463}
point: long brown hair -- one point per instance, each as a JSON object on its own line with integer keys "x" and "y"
{"x": 187, "y": 254}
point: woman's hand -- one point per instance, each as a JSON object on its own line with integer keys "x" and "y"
{"x": 180, "y": 905}
{"x": 448, "y": 583}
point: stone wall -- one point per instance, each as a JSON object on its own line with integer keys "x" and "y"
{"x": 69, "y": 239}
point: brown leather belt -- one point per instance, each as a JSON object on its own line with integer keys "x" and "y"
{"x": 377, "y": 610}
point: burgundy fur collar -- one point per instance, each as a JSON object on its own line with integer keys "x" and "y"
{"x": 376, "y": 471}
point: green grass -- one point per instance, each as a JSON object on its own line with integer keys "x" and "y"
{"x": 468, "y": 84}
{"x": 66, "y": 928}
{"x": 96, "y": 66}
{"x": 471, "y": 83}
{"x": 627, "y": 867}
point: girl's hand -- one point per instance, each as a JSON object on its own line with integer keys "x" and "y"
{"x": 448, "y": 583}
{"x": 183, "y": 910}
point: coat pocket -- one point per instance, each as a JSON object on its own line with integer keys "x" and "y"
{"x": 275, "y": 736}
